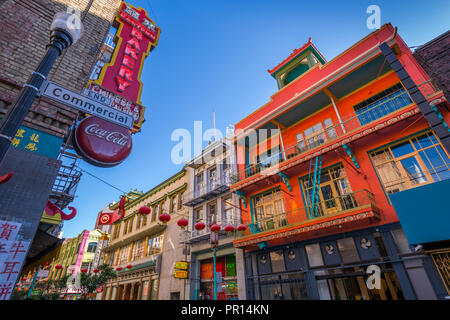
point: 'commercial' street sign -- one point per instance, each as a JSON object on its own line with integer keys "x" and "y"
{"x": 77, "y": 101}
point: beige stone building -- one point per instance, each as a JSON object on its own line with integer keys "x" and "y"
{"x": 149, "y": 247}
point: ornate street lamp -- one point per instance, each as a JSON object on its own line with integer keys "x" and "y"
{"x": 63, "y": 33}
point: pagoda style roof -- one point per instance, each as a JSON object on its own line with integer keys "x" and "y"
{"x": 295, "y": 53}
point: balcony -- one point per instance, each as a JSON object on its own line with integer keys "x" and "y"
{"x": 212, "y": 189}
{"x": 354, "y": 125}
{"x": 352, "y": 207}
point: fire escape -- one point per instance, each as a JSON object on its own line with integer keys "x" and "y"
{"x": 65, "y": 186}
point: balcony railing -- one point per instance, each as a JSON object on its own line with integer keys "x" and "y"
{"x": 350, "y": 122}
{"x": 333, "y": 206}
{"x": 211, "y": 189}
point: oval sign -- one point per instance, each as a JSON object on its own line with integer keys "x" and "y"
{"x": 102, "y": 143}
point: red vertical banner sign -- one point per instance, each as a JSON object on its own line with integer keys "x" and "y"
{"x": 136, "y": 36}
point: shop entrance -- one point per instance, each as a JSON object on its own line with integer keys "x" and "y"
{"x": 350, "y": 284}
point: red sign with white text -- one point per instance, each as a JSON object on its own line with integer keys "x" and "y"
{"x": 137, "y": 35}
{"x": 102, "y": 143}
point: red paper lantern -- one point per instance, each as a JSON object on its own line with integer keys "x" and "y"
{"x": 58, "y": 267}
{"x": 229, "y": 229}
{"x": 164, "y": 218}
{"x": 242, "y": 228}
{"x": 119, "y": 268}
{"x": 84, "y": 270}
{"x": 19, "y": 289}
{"x": 183, "y": 223}
{"x": 215, "y": 228}
{"x": 144, "y": 210}
{"x": 95, "y": 270}
{"x": 24, "y": 279}
{"x": 199, "y": 226}
{"x": 129, "y": 266}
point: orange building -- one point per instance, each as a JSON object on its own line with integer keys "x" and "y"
{"x": 317, "y": 165}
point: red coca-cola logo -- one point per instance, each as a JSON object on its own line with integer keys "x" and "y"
{"x": 102, "y": 143}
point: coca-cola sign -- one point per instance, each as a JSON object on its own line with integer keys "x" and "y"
{"x": 102, "y": 143}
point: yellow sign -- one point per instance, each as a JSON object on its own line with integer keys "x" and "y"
{"x": 181, "y": 274}
{"x": 183, "y": 265}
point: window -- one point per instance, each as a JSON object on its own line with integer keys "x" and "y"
{"x": 198, "y": 214}
{"x": 382, "y": 104}
{"x": 228, "y": 216}
{"x": 124, "y": 254}
{"x": 412, "y": 162}
{"x": 154, "y": 245}
{"x": 314, "y": 255}
{"x": 348, "y": 250}
{"x": 334, "y": 192}
{"x": 92, "y": 246}
{"x": 138, "y": 250}
{"x": 269, "y": 208}
{"x": 199, "y": 181}
{"x": 212, "y": 217}
{"x": 400, "y": 241}
{"x": 316, "y": 135}
{"x": 277, "y": 260}
{"x": 212, "y": 175}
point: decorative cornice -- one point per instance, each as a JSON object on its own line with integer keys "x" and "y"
{"x": 254, "y": 239}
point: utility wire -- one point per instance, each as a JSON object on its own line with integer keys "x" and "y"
{"x": 107, "y": 183}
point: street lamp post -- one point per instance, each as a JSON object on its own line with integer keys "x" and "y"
{"x": 65, "y": 30}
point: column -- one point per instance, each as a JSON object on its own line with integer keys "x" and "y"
{"x": 405, "y": 284}
{"x": 240, "y": 272}
{"x": 132, "y": 291}
{"x": 139, "y": 294}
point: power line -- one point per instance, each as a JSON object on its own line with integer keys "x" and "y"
{"x": 105, "y": 182}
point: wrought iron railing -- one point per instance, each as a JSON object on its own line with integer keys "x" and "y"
{"x": 350, "y": 122}
{"x": 66, "y": 182}
{"x": 216, "y": 185}
{"x": 333, "y": 206}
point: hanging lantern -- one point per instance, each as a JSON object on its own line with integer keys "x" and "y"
{"x": 119, "y": 268}
{"x": 164, "y": 218}
{"x": 129, "y": 266}
{"x": 242, "y": 227}
{"x": 229, "y": 229}
{"x": 215, "y": 228}
{"x": 58, "y": 267}
{"x": 183, "y": 223}
{"x": 84, "y": 270}
{"x": 95, "y": 270}
{"x": 144, "y": 210}
{"x": 199, "y": 226}
{"x": 24, "y": 279}
{"x": 19, "y": 289}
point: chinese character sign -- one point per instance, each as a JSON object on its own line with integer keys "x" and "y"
{"x": 137, "y": 36}
{"x": 37, "y": 141}
{"x": 12, "y": 253}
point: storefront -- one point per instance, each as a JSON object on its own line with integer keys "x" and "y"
{"x": 227, "y": 288}
{"x": 371, "y": 264}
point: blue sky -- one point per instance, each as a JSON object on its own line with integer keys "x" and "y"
{"x": 214, "y": 55}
